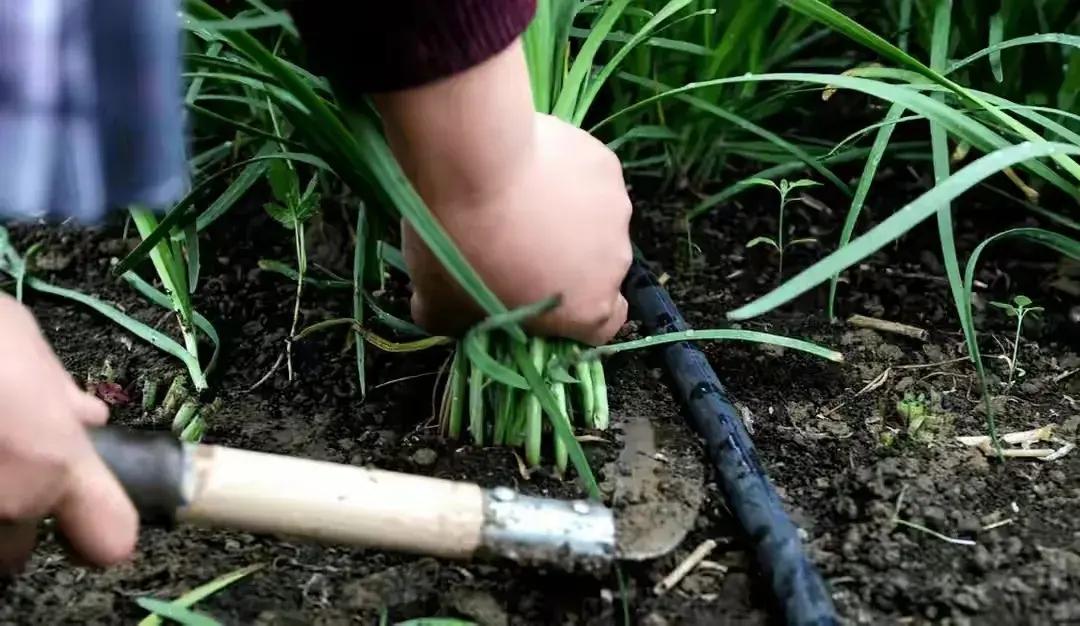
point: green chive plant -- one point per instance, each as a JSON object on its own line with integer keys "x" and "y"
{"x": 781, "y": 244}
{"x": 1030, "y": 145}
{"x": 1020, "y": 307}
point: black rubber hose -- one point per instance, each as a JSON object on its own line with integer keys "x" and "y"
{"x": 794, "y": 580}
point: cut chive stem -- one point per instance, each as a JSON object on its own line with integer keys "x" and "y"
{"x": 599, "y": 387}
{"x": 476, "y": 396}
{"x": 456, "y": 389}
{"x": 583, "y": 372}
{"x": 562, "y": 455}
{"x": 533, "y": 414}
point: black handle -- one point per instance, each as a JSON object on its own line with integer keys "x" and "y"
{"x": 149, "y": 465}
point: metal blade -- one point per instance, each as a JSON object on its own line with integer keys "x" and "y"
{"x": 659, "y": 487}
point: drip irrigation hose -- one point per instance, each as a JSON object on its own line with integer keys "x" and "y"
{"x": 794, "y": 580}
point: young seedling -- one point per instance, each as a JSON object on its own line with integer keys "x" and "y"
{"x": 915, "y": 411}
{"x": 779, "y": 244}
{"x": 1021, "y": 307}
{"x": 292, "y": 208}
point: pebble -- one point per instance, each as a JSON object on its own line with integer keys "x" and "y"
{"x": 425, "y": 457}
{"x": 654, "y": 619}
{"x": 982, "y": 560}
{"x": 890, "y": 351}
{"x": 967, "y": 602}
{"x": 968, "y": 525}
{"x": 935, "y": 517}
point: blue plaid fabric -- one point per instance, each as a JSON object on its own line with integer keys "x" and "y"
{"x": 91, "y": 108}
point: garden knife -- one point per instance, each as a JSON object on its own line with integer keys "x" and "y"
{"x": 222, "y": 487}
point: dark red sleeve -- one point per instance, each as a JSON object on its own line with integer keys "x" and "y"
{"x": 369, "y": 47}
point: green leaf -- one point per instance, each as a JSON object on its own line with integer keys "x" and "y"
{"x": 436, "y": 621}
{"x": 1005, "y": 306}
{"x": 873, "y": 160}
{"x": 1022, "y": 302}
{"x": 723, "y": 334}
{"x": 761, "y": 182}
{"x": 283, "y": 181}
{"x": 281, "y": 214}
{"x": 178, "y": 614}
{"x": 760, "y": 240}
{"x": 838, "y": 21}
{"x": 204, "y": 591}
{"x": 997, "y": 28}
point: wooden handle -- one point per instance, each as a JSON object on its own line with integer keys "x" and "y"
{"x": 335, "y": 503}
{"x": 221, "y": 487}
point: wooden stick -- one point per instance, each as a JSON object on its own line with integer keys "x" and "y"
{"x": 684, "y": 568}
{"x": 885, "y": 326}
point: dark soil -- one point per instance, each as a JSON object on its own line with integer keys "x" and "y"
{"x": 830, "y": 450}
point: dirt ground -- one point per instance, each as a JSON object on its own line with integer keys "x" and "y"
{"x": 840, "y": 458}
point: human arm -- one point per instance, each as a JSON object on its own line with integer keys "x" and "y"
{"x": 536, "y": 205}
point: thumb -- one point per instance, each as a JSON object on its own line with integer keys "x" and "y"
{"x": 89, "y": 410}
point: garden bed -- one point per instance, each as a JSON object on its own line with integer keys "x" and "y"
{"x": 823, "y": 443}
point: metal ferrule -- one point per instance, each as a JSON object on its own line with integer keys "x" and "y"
{"x": 538, "y": 531}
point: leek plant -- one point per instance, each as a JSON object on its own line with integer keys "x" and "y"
{"x": 1032, "y": 145}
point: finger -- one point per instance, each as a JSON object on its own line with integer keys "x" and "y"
{"x": 607, "y": 331}
{"x": 96, "y": 516}
{"x": 89, "y": 410}
{"x": 17, "y": 541}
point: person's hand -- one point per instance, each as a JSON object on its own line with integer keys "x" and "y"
{"x": 537, "y": 206}
{"x": 48, "y": 466}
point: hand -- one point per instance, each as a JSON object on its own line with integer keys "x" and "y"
{"x": 537, "y": 206}
{"x": 47, "y": 463}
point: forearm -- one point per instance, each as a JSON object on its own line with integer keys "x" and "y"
{"x": 463, "y": 135}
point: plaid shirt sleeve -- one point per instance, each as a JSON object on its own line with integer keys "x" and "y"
{"x": 91, "y": 109}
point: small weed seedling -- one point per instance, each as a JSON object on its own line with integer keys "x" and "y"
{"x": 784, "y": 189}
{"x": 1021, "y": 307}
{"x": 292, "y": 209}
{"x": 923, "y": 416}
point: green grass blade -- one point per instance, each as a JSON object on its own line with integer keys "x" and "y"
{"x": 593, "y": 85}
{"x": 752, "y": 128}
{"x": 177, "y": 614}
{"x": 359, "y": 259}
{"x": 154, "y": 337}
{"x": 721, "y": 334}
{"x": 391, "y": 256}
{"x": 958, "y": 122}
{"x": 835, "y": 19}
{"x": 191, "y": 250}
{"x": 566, "y": 103}
{"x": 491, "y": 367}
{"x": 147, "y": 290}
{"x": 204, "y": 591}
{"x": 873, "y": 160}
{"x": 899, "y": 223}
{"x": 247, "y": 177}
{"x": 995, "y": 49}
{"x": 178, "y": 216}
{"x": 997, "y": 29}
{"x": 436, "y": 621}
